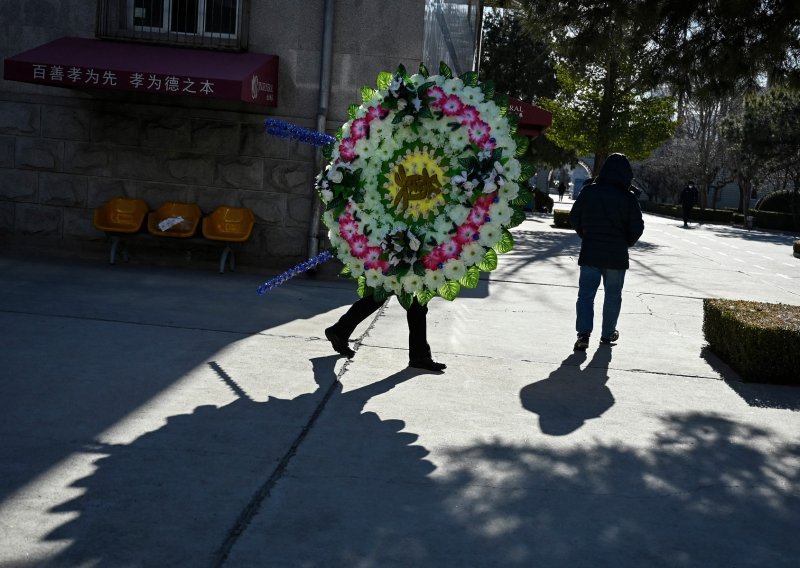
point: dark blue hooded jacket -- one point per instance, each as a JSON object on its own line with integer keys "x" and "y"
{"x": 607, "y": 216}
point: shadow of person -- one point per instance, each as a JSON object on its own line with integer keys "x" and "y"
{"x": 570, "y": 396}
{"x": 179, "y": 495}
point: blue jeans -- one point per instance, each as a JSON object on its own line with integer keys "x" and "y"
{"x": 588, "y": 283}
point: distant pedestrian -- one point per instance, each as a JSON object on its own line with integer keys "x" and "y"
{"x": 608, "y": 219}
{"x": 689, "y": 198}
{"x": 561, "y": 190}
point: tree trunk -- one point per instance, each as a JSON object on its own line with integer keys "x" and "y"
{"x": 605, "y": 118}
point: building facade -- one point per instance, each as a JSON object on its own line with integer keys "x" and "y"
{"x": 66, "y": 151}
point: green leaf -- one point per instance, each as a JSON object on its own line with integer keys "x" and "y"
{"x": 423, "y": 88}
{"x": 425, "y": 296}
{"x": 522, "y": 145}
{"x": 528, "y": 169}
{"x": 522, "y": 199}
{"x": 505, "y": 244}
{"x": 487, "y": 87}
{"x": 419, "y": 269}
{"x": 327, "y": 152}
{"x": 471, "y": 278}
{"x": 449, "y": 290}
{"x": 398, "y": 118}
{"x": 384, "y": 79}
{"x": 489, "y": 261}
{"x": 401, "y": 70}
{"x": 425, "y": 112}
{"x": 362, "y": 286}
{"x": 470, "y": 78}
{"x": 340, "y": 134}
{"x": 405, "y": 300}
{"x": 366, "y": 94}
{"x": 424, "y": 70}
{"x": 517, "y": 218}
{"x": 380, "y": 294}
{"x": 352, "y": 110}
{"x": 346, "y": 272}
{"x": 445, "y": 71}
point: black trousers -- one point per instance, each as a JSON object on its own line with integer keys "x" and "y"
{"x": 687, "y": 211}
{"x": 418, "y": 347}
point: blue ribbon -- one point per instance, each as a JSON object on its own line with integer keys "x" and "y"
{"x": 294, "y": 271}
{"x": 284, "y": 129}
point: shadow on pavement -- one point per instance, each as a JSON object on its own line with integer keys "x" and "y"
{"x": 757, "y": 395}
{"x": 570, "y": 396}
{"x": 756, "y": 235}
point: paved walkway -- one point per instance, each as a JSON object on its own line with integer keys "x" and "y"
{"x": 156, "y": 417}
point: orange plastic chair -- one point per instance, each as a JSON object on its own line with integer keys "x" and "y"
{"x": 190, "y": 212}
{"x": 230, "y": 225}
{"x": 120, "y": 216}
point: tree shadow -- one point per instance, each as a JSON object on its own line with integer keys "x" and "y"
{"x": 757, "y": 395}
{"x": 781, "y": 237}
{"x": 570, "y": 396}
{"x": 180, "y": 495}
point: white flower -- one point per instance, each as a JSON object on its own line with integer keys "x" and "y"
{"x": 327, "y": 195}
{"x": 393, "y": 284}
{"x": 509, "y": 191}
{"x": 413, "y": 241}
{"x": 489, "y": 234}
{"x": 434, "y": 279}
{"x": 401, "y": 104}
{"x": 498, "y": 167}
{"x": 472, "y": 253}
{"x": 455, "y": 269}
{"x": 411, "y": 283}
{"x": 335, "y": 175}
{"x": 408, "y": 119}
{"x": 458, "y": 214}
{"x": 501, "y": 213}
{"x": 489, "y": 186}
{"x": 417, "y": 102}
{"x": 356, "y": 267}
{"x": 374, "y": 277}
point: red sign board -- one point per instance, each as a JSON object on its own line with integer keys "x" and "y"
{"x": 532, "y": 119}
{"x": 82, "y": 63}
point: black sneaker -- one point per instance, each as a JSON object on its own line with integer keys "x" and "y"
{"x": 339, "y": 343}
{"x": 428, "y": 364}
{"x": 583, "y": 342}
{"x": 611, "y": 339}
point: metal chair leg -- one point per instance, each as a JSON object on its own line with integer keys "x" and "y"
{"x": 225, "y": 252}
{"x": 114, "y": 245}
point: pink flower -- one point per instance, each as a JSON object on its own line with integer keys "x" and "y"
{"x": 359, "y": 129}
{"x": 477, "y": 216}
{"x": 466, "y": 233}
{"x": 347, "y": 149}
{"x": 437, "y": 95}
{"x": 359, "y": 246}
{"x": 479, "y": 133}
{"x": 469, "y": 115}
{"x": 348, "y": 230}
{"x": 451, "y": 249}
{"x": 376, "y": 113}
{"x": 487, "y": 145}
{"x": 372, "y": 258}
{"x": 485, "y": 201}
{"x": 433, "y": 259}
{"x": 452, "y": 106}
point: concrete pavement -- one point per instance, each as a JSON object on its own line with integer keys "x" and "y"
{"x": 159, "y": 417}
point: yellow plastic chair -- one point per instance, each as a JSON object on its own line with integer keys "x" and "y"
{"x": 120, "y": 216}
{"x": 190, "y": 213}
{"x": 229, "y": 225}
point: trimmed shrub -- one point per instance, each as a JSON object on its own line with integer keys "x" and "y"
{"x": 710, "y": 215}
{"x": 771, "y": 220}
{"x": 713, "y": 215}
{"x": 760, "y": 341}
{"x": 777, "y": 201}
{"x": 561, "y": 218}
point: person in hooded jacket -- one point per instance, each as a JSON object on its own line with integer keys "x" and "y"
{"x": 608, "y": 219}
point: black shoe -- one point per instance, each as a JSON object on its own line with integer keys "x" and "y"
{"x": 427, "y": 364}
{"x": 339, "y": 343}
{"x": 582, "y": 343}
{"x": 611, "y": 339}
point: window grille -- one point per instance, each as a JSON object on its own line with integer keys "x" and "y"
{"x": 215, "y": 24}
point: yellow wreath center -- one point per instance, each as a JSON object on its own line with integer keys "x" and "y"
{"x": 416, "y": 184}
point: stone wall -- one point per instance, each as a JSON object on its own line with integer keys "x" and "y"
{"x": 64, "y": 152}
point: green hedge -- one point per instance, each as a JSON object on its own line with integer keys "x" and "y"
{"x": 767, "y": 220}
{"x": 710, "y": 215}
{"x": 561, "y": 218}
{"x": 760, "y": 341}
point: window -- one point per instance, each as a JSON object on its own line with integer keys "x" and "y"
{"x": 203, "y": 23}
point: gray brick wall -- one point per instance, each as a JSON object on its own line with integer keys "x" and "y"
{"x": 63, "y": 152}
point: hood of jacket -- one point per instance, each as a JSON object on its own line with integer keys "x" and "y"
{"x": 616, "y": 171}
